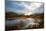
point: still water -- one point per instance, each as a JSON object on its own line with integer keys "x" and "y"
{"x": 23, "y": 21}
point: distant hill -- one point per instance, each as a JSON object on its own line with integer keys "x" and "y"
{"x": 12, "y": 15}
{"x": 15, "y": 15}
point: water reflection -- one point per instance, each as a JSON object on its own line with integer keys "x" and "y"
{"x": 23, "y": 22}
{"x": 15, "y": 21}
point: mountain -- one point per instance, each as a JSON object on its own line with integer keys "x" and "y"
{"x": 15, "y": 15}
{"x": 12, "y": 15}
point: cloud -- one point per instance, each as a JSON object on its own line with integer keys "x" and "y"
{"x": 25, "y": 7}
{"x": 29, "y": 10}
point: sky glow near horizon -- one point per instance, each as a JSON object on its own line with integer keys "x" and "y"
{"x": 24, "y": 7}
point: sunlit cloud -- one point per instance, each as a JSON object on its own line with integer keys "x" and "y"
{"x": 29, "y": 9}
{"x": 25, "y": 7}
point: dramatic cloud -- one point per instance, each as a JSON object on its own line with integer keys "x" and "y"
{"x": 26, "y": 7}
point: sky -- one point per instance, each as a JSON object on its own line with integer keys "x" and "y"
{"x": 24, "y": 7}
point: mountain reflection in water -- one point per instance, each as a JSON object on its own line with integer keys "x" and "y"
{"x": 23, "y": 22}
{"x": 27, "y": 20}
